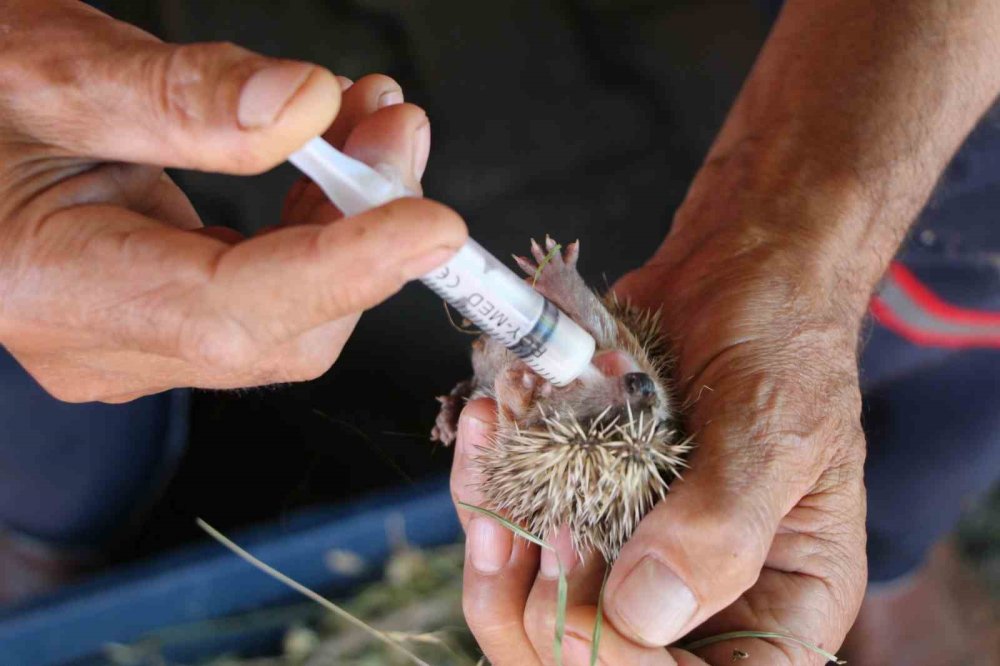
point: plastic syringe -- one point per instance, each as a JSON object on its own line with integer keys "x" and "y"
{"x": 474, "y": 282}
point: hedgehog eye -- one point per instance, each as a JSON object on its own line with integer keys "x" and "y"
{"x": 639, "y": 384}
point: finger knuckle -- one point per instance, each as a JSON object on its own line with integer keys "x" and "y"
{"x": 446, "y": 222}
{"x": 186, "y": 80}
{"x": 218, "y": 345}
{"x": 743, "y": 538}
{"x": 481, "y": 616}
{"x": 252, "y": 156}
{"x": 472, "y": 608}
{"x": 540, "y": 622}
{"x": 354, "y": 298}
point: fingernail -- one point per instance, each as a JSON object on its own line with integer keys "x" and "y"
{"x": 489, "y": 545}
{"x": 421, "y": 149}
{"x": 471, "y": 430}
{"x": 425, "y": 263}
{"x": 576, "y": 651}
{"x": 267, "y": 92}
{"x": 654, "y": 603}
{"x": 389, "y": 98}
{"x": 562, "y": 551}
{"x": 344, "y": 82}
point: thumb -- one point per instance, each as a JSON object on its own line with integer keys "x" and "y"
{"x": 124, "y": 95}
{"x": 698, "y": 550}
{"x": 284, "y": 283}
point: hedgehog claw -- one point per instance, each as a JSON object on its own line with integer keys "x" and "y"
{"x": 537, "y": 252}
{"x": 526, "y": 265}
{"x": 571, "y": 254}
{"x": 446, "y": 424}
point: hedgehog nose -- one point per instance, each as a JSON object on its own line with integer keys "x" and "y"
{"x": 639, "y": 384}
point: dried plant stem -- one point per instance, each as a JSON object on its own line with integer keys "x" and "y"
{"x": 456, "y": 326}
{"x": 556, "y": 248}
{"x": 595, "y": 638}
{"x": 302, "y": 589}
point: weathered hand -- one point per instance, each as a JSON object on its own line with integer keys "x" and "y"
{"x": 832, "y": 148}
{"x": 766, "y": 531}
{"x": 110, "y": 287}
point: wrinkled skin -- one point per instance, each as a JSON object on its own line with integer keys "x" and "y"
{"x": 110, "y": 286}
{"x": 772, "y": 508}
{"x": 832, "y": 148}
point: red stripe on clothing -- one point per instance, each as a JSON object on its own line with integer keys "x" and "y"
{"x": 919, "y": 336}
{"x": 930, "y": 302}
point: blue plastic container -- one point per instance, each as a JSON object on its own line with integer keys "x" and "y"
{"x": 207, "y": 582}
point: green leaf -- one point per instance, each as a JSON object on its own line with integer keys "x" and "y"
{"x": 711, "y": 640}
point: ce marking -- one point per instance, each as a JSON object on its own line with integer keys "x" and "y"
{"x": 445, "y": 272}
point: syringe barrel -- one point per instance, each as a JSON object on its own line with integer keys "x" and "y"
{"x": 503, "y": 305}
{"x": 473, "y": 281}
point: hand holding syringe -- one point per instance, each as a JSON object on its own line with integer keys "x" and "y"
{"x": 474, "y": 282}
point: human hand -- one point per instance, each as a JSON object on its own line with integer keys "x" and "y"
{"x": 766, "y": 531}
{"x": 110, "y": 286}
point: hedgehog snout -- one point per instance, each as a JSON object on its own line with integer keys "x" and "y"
{"x": 639, "y": 389}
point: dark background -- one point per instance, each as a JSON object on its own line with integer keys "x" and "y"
{"x": 582, "y": 119}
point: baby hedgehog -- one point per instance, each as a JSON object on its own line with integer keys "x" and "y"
{"x": 595, "y": 455}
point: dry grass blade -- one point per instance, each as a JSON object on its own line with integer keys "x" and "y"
{"x": 562, "y": 593}
{"x": 545, "y": 261}
{"x": 520, "y": 531}
{"x": 302, "y": 589}
{"x": 711, "y": 640}
{"x": 595, "y": 639}
{"x": 455, "y": 325}
{"x": 428, "y": 638}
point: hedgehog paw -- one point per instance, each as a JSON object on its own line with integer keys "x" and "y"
{"x": 518, "y": 389}
{"x": 446, "y": 424}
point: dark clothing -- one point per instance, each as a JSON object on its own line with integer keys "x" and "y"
{"x": 931, "y": 369}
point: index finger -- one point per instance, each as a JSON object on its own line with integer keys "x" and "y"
{"x": 282, "y": 284}
{"x": 475, "y": 428}
{"x": 498, "y": 570}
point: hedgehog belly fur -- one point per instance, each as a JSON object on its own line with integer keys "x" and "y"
{"x": 599, "y": 478}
